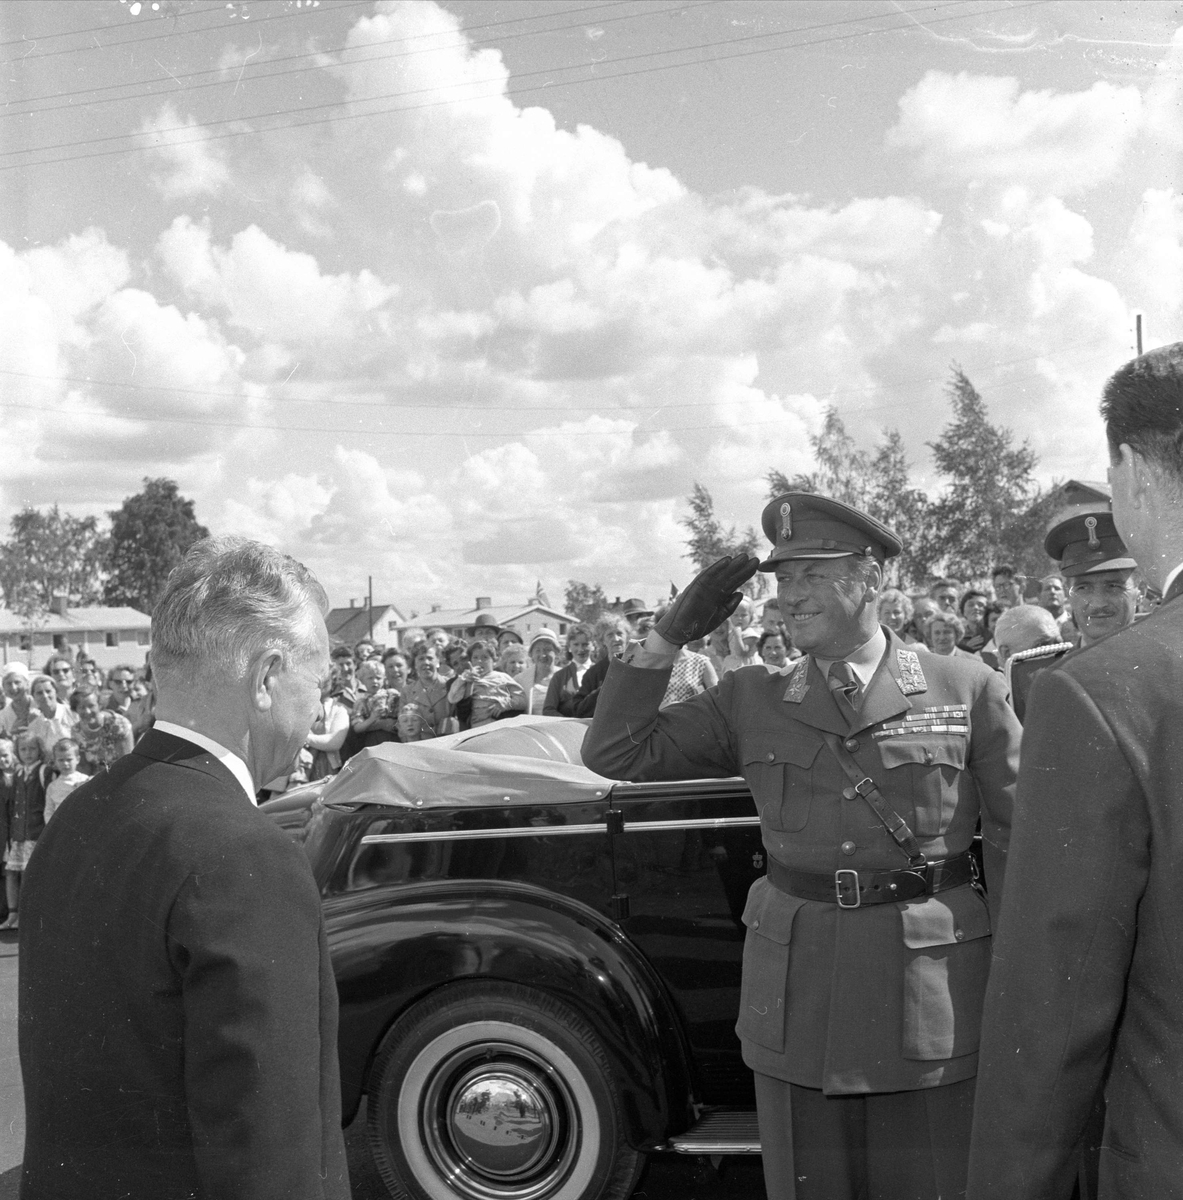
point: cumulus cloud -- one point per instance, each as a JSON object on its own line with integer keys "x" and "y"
{"x": 189, "y": 165}
{"x": 980, "y": 129}
{"x": 1155, "y": 263}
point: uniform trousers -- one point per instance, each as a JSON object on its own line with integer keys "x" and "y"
{"x": 881, "y": 1146}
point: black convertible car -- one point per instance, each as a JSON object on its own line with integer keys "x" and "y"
{"x": 538, "y": 968}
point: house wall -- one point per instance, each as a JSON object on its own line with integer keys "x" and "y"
{"x": 128, "y": 648}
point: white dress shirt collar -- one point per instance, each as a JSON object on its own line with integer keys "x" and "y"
{"x": 227, "y": 758}
{"x": 864, "y": 661}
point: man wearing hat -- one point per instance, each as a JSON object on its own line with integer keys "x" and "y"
{"x": 486, "y": 629}
{"x": 868, "y": 943}
{"x": 1102, "y": 595}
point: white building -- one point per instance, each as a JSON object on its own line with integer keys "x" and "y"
{"x": 524, "y": 619}
{"x": 109, "y": 635}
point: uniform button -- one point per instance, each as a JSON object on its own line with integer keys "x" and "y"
{"x": 852, "y": 744}
{"x": 771, "y": 756}
{"x": 848, "y": 793}
{"x": 848, "y": 847}
{"x": 959, "y": 935}
{"x": 755, "y": 924}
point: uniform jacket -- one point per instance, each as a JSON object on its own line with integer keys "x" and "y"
{"x": 883, "y": 998}
{"x": 178, "y": 1014}
{"x": 1088, "y": 976}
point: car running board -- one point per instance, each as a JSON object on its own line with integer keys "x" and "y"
{"x": 720, "y": 1131}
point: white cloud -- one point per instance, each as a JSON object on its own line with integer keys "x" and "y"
{"x": 984, "y": 129}
{"x": 1155, "y": 263}
{"x": 190, "y": 164}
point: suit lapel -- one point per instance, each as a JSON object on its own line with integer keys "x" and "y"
{"x": 887, "y": 693}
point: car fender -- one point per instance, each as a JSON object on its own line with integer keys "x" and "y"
{"x": 393, "y": 945}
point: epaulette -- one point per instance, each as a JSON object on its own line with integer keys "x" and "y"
{"x": 1029, "y": 664}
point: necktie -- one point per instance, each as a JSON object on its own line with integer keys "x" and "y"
{"x": 844, "y": 684}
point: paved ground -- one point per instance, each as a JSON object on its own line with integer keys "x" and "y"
{"x": 667, "y": 1178}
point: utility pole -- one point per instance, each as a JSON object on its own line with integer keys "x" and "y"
{"x": 1138, "y": 331}
{"x": 370, "y": 605}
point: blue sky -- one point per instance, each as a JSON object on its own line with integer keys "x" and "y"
{"x": 467, "y": 295}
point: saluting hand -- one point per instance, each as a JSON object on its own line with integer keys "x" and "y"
{"x": 708, "y": 600}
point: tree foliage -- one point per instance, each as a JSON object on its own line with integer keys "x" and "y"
{"x": 709, "y": 541}
{"x": 982, "y": 516}
{"x": 585, "y": 602}
{"x": 150, "y": 534}
{"x": 48, "y": 554}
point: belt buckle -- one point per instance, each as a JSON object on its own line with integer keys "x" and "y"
{"x": 852, "y": 883}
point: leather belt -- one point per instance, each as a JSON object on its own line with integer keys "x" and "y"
{"x": 856, "y": 889}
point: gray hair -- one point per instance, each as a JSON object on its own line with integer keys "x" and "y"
{"x": 227, "y": 601}
{"x": 1024, "y": 627}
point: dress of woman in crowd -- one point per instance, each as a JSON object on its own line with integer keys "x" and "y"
{"x": 535, "y": 679}
{"x": 328, "y": 733}
{"x": 428, "y": 689}
{"x": 612, "y": 638}
{"x": 51, "y": 720}
{"x": 692, "y": 673}
{"x": 103, "y": 735}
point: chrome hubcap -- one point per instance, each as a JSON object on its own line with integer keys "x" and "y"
{"x": 499, "y": 1123}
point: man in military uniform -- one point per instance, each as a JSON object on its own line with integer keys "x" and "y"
{"x": 867, "y": 943}
{"x": 1102, "y": 595}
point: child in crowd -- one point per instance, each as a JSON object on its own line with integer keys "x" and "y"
{"x": 492, "y": 692}
{"x": 413, "y": 725}
{"x": 375, "y": 712}
{"x": 66, "y": 756}
{"x": 7, "y": 773}
{"x": 26, "y": 818}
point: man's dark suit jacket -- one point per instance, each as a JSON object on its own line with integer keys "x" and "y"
{"x": 178, "y": 1015}
{"x": 1087, "y": 983}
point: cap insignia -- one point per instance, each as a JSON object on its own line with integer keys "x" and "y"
{"x": 798, "y": 684}
{"x": 786, "y": 520}
{"x": 912, "y": 679}
{"x": 1090, "y": 523}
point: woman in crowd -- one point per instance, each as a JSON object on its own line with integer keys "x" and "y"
{"x": 612, "y": 634}
{"x": 945, "y": 630}
{"x": 989, "y": 652}
{"x": 692, "y": 673}
{"x": 535, "y": 680}
{"x": 103, "y": 735}
{"x": 394, "y": 663}
{"x": 61, "y": 670}
{"x": 773, "y": 650}
{"x": 51, "y": 720}
{"x": 972, "y": 607}
{"x": 428, "y": 689}
{"x": 564, "y": 683}
{"x": 895, "y": 611}
{"x": 18, "y": 712}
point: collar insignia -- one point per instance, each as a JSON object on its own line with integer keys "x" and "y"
{"x": 798, "y": 686}
{"x": 912, "y": 679}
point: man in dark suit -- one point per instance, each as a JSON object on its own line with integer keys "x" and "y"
{"x": 178, "y": 1015}
{"x": 867, "y": 942}
{"x": 1087, "y": 984}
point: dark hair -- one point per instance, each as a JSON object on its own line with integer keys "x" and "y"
{"x": 340, "y": 653}
{"x": 57, "y": 658}
{"x": 393, "y": 652}
{"x": 969, "y": 596}
{"x": 479, "y": 644}
{"x": 1142, "y": 406}
{"x": 1003, "y": 569}
{"x": 66, "y": 742}
{"x": 80, "y": 693}
{"x": 770, "y": 633}
{"x": 944, "y": 583}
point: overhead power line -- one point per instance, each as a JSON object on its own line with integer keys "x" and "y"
{"x": 508, "y": 92}
{"x": 258, "y": 75}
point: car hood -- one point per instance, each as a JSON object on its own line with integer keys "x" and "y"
{"x": 525, "y": 760}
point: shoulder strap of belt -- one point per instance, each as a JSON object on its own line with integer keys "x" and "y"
{"x": 866, "y": 788}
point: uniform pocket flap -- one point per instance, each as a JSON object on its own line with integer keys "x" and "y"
{"x": 927, "y": 750}
{"x": 770, "y": 912}
{"x": 958, "y": 915}
{"x": 771, "y": 751}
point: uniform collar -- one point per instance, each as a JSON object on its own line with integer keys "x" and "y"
{"x": 864, "y": 661}
{"x": 227, "y": 758}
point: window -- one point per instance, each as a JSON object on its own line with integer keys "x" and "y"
{"x": 142, "y": 637}
{"x": 562, "y": 627}
{"x": 26, "y": 641}
{"x": 112, "y": 638}
{"x": 391, "y": 626}
{"x": 59, "y": 641}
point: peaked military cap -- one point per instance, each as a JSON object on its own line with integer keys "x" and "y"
{"x": 802, "y": 525}
{"x": 1087, "y": 540}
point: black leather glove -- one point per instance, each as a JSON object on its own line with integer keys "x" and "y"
{"x": 708, "y": 600}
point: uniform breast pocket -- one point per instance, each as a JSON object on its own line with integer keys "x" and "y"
{"x": 932, "y": 766}
{"x": 947, "y": 960}
{"x": 778, "y": 768}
